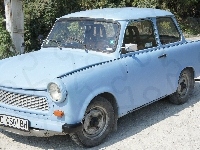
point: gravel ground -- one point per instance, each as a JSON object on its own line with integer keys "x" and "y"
{"x": 160, "y": 125}
{"x": 193, "y": 38}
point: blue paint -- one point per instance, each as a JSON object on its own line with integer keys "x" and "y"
{"x": 134, "y": 78}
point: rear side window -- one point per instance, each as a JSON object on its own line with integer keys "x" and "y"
{"x": 167, "y": 30}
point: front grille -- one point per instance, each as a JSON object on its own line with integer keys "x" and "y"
{"x": 24, "y": 101}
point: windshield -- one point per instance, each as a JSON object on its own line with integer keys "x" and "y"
{"x": 84, "y": 34}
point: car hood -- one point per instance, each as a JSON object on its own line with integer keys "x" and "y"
{"x": 36, "y": 69}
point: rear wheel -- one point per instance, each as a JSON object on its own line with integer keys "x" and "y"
{"x": 97, "y": 123}
{"x": 184, "y": 89}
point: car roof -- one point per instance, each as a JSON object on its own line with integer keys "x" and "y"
{"x": 124, "y": 13}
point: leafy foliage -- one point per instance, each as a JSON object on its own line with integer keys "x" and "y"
{"x": 145, "y": 3}
{"x": 5, "y": 41}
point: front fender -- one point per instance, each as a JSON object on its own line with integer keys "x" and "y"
{"x": 83, "y": 85}
{"x": 90, "y": 97}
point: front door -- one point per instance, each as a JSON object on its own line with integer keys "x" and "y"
{"x": 144, "y": 60}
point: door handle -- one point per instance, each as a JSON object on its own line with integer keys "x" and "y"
{"x": 163, "y": 55}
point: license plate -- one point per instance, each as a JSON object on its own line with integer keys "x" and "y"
{"x": 14, "y": 122}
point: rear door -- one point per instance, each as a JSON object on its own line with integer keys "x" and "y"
{"x": 174, "y": 49}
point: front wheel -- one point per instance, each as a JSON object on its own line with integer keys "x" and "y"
{"x": 98, "y": 122}
{"x": 184, "y": 89}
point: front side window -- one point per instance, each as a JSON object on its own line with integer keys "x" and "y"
{"x": 84, "y": 34}
{"x": 167, "y": 30}
{"x": 139, "y": 35}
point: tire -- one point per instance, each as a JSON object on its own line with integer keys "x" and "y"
{"x": 98, "y": 122}
{"x": 184, "y": 89}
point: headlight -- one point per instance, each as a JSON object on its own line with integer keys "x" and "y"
{"x": 56, "y": 91}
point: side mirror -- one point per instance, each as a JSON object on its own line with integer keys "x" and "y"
{"x": 131, "y": 47}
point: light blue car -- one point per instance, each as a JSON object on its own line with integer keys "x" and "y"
{"x": 94, "y": 67}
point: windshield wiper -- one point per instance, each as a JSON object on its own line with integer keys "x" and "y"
{"x": 78, "y": 41}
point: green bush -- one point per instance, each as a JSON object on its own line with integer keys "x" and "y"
{"x": 5, "y": 41}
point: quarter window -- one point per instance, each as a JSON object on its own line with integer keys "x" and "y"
{"x": 167, "y": 30}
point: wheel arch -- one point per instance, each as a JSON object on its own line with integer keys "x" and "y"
{"x": 108, "y": 96}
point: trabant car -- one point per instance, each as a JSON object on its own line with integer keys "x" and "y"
{"x": 94, "y": 67}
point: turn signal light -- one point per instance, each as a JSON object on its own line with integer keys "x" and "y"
{"x": 58, "y": 113}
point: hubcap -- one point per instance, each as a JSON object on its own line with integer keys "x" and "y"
{"x": 95, "y": 122}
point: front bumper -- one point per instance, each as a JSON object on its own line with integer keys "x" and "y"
{"x": 71, "y": 128}
{"x": 67, "y": 129}
{"x": 32, "y": 132}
